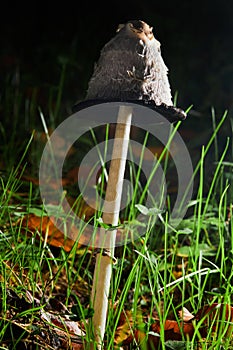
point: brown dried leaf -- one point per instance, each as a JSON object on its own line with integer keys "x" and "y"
{"x": 213, "y": 315}
{"x": 49, "y": 231}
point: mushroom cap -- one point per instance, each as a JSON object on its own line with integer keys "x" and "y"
{"x": 131, "y": 67}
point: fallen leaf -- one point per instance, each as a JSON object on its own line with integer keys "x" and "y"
{"x": 174, "y": 330}
{"x": 215, "y": 314}
{"x": 185, "y": 315}
{"x": 45, "y": 226}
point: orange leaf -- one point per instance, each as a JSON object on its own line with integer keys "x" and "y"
{"x": 48, "y": 231}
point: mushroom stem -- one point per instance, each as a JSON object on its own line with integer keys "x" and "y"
{"x": 111, "y": 209}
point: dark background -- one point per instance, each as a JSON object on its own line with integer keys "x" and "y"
{"x": 196, "y": 38}
{"x": 48, "y": 52}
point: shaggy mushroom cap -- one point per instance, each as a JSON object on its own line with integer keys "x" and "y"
{"x": 131, "y": 67}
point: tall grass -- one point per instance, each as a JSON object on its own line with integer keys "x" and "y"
{"x": 154, "y": 276}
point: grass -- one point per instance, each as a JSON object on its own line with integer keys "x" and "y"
{"x": 154, "y": 277}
